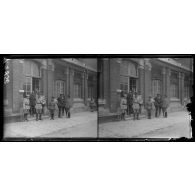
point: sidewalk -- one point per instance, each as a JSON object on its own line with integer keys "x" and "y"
{"x": 130, "y": 128}
{"x": 35, "y": 128}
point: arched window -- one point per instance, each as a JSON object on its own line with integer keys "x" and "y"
{"x": 32, "y": 77}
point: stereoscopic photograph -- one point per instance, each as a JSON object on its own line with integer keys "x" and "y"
{"x": 50, "y": 98}
{"x": 98, "y": 98}
{"x": 145, "y": 97}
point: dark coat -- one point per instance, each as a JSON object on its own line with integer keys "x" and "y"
{"x": 63, "y": 101}
{"x": 158, "y": 102}
{"x": 129, "y": 99}
{"x": 32, "y": 99}
{"x": 60, "y": 102}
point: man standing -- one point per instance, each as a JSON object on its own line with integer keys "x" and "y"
{"x": 158, "y": 105}
{"x": 123, "y": 106}
{"x": 68, "y": 106}
{"x": 165, "y": 104}
{"x": 63, "y": 104}
{"x": 136, "y": 107}
{"x": 149, "y": 107}
{"x": 32, "y": 100}
{"x": 60, "y": 105}
{"x": 129, "y": 103}
{"x": 38, "y": 107}
{"x": 26, "y": 107}
{"x": 140, "y": 102}
{"x": 52, "y": 108}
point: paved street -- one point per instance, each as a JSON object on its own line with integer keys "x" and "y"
{"x": 176, "y": 125}
{"x": 79, "y": 125}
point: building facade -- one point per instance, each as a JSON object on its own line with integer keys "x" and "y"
{"x": 149, "y": 76}
{"x": 69, "y": 76}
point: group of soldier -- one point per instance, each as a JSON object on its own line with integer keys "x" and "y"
{"x": 132, "y": 103}
{"x": 35, "y": 104}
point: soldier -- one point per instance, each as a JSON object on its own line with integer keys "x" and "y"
{"x": 123, "y": 106}
{"x": 158, "y": 105}
{"x": 140, "y": 102}
{"x": 60, "y": 105}
{"x": 136, "y": 107}
{"x": 32, "y": 103}
{"x": 38, "y": 108}
{"x": 129, "y": 103}
{"x": 52, "y": 105}
{"x": 149, "y": 107}
{"x": 165, "y": 104}
{"x": 68, "y": 105}
{"x": 63, "y": 100}
{"x": 26, "y": 107}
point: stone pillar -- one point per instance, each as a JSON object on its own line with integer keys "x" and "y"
{"x": 168, "y": 75}
{"x": 95, "y": 86}
{"x": 50, "y": 81}
{"x": 182, "y": 87}
{"x": 114, "y": 83}
{"x": 71, "y": 87}
{"x": 106, "y": 81}
{"x": 191, "y": 85}
{"x": 164, "y": 81}
{"x": 68, "y": 81}
{"x": 44, "y": 78}
{"x": 83, "y": 84}
{"x": 147, "y": 81}
{"x": 86, "y": 88}
{"x": 141, "y": 77}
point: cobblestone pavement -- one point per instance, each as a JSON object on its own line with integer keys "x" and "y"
{"x": 176, "y": 125}
{"x": 79, "y": 125}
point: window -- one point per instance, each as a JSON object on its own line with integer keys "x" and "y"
{"x": 124, "y": 83}
{"x": 32, "y": 77}
{"x": 78, "y": 91}
{"x": 27, "y": 86}
{"x": 156, "y": 87}
{"x": 174, "y": 90}
{"x": 174, "y": 83}
{"x": 78, "y": 85}
{"x": 60, "y": 88}
{"x": 132, "y": 84}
